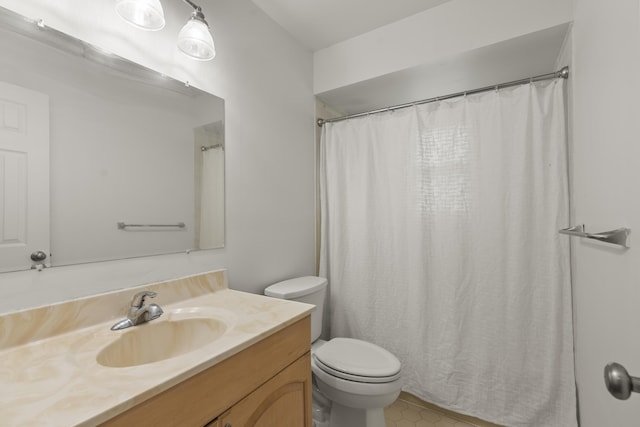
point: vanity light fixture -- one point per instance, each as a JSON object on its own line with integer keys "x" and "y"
{"x": 142, "y": 14}
{"x": 194, "y": 39}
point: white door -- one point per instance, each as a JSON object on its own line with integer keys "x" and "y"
{"x": 606, "y": 172}
{"x": 24, "y": 176}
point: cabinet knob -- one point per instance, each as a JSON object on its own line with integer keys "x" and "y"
{"x": 227, "y": 425}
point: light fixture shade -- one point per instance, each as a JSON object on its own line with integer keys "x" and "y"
{"x": 196, "y": 41}
{"x": 143, "y": 14}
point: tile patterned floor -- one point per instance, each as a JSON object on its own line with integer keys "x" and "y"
{"x": 405, "y": 414}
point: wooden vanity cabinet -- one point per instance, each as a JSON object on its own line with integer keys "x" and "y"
{"x": 266, "y": 385}
{"x": 279, "y": 402}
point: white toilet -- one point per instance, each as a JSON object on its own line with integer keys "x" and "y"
{"x": 358, "y": 377}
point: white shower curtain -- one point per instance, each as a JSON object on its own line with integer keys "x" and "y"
{"x": 440, "y": 242}
{"x": 212, "y": 199}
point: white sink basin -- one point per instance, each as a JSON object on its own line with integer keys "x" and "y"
{"x": 175, "y": 333}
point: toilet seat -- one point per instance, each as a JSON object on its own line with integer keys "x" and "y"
{"x": 357, "y": 360}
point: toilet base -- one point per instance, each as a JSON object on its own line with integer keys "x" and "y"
{"x": 320, "y": 406}
{"x": 344, "y": 416}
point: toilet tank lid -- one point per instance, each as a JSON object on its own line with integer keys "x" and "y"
{"x": 294, "y": 288}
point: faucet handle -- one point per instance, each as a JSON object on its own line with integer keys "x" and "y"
{"x": 138, "y": 299}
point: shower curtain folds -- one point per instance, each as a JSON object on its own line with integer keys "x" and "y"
{"x": 211, "y": 225}
{"x": 439, "y": 239}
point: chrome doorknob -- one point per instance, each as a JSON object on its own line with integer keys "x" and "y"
{"x": 38, "y": 256}
{"x": 618, "y": 381}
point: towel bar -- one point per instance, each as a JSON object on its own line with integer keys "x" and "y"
{"x": 122, "y": 225}
{"x": 617, "y": 237}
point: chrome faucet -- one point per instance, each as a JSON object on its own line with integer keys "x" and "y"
{"x": 138, "y": 312}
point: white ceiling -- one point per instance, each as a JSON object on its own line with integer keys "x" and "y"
{"x": 321, "y": 23}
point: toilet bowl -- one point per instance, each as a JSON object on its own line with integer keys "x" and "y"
{"x": 359, "y": 378}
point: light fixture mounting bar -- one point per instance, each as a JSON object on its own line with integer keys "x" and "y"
{"x": 192, "y": 4}
{"x": 197, "y": 12}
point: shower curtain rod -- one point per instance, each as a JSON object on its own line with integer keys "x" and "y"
{"x": 562, "y": 73}
{"x": 210, "y": 147}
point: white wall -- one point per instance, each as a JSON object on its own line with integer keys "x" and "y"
{"x": 437, "y": 34}
{"x": 266, "y": 80}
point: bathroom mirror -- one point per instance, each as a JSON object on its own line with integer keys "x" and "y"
{"x": 136, "y": 159}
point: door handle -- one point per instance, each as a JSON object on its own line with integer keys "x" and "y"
{"x": 618, "y": 381}
{"x": 38, "y": 256}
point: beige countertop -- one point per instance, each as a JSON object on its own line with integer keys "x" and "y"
{"x": 49, "y": 375}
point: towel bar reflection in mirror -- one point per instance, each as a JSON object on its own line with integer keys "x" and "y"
{"x": 123, "y": 226}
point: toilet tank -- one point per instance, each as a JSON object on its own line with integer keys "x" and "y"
{"x": 308, "y": 289}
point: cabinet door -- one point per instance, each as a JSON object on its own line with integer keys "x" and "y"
{"x": 283, "y": 401}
